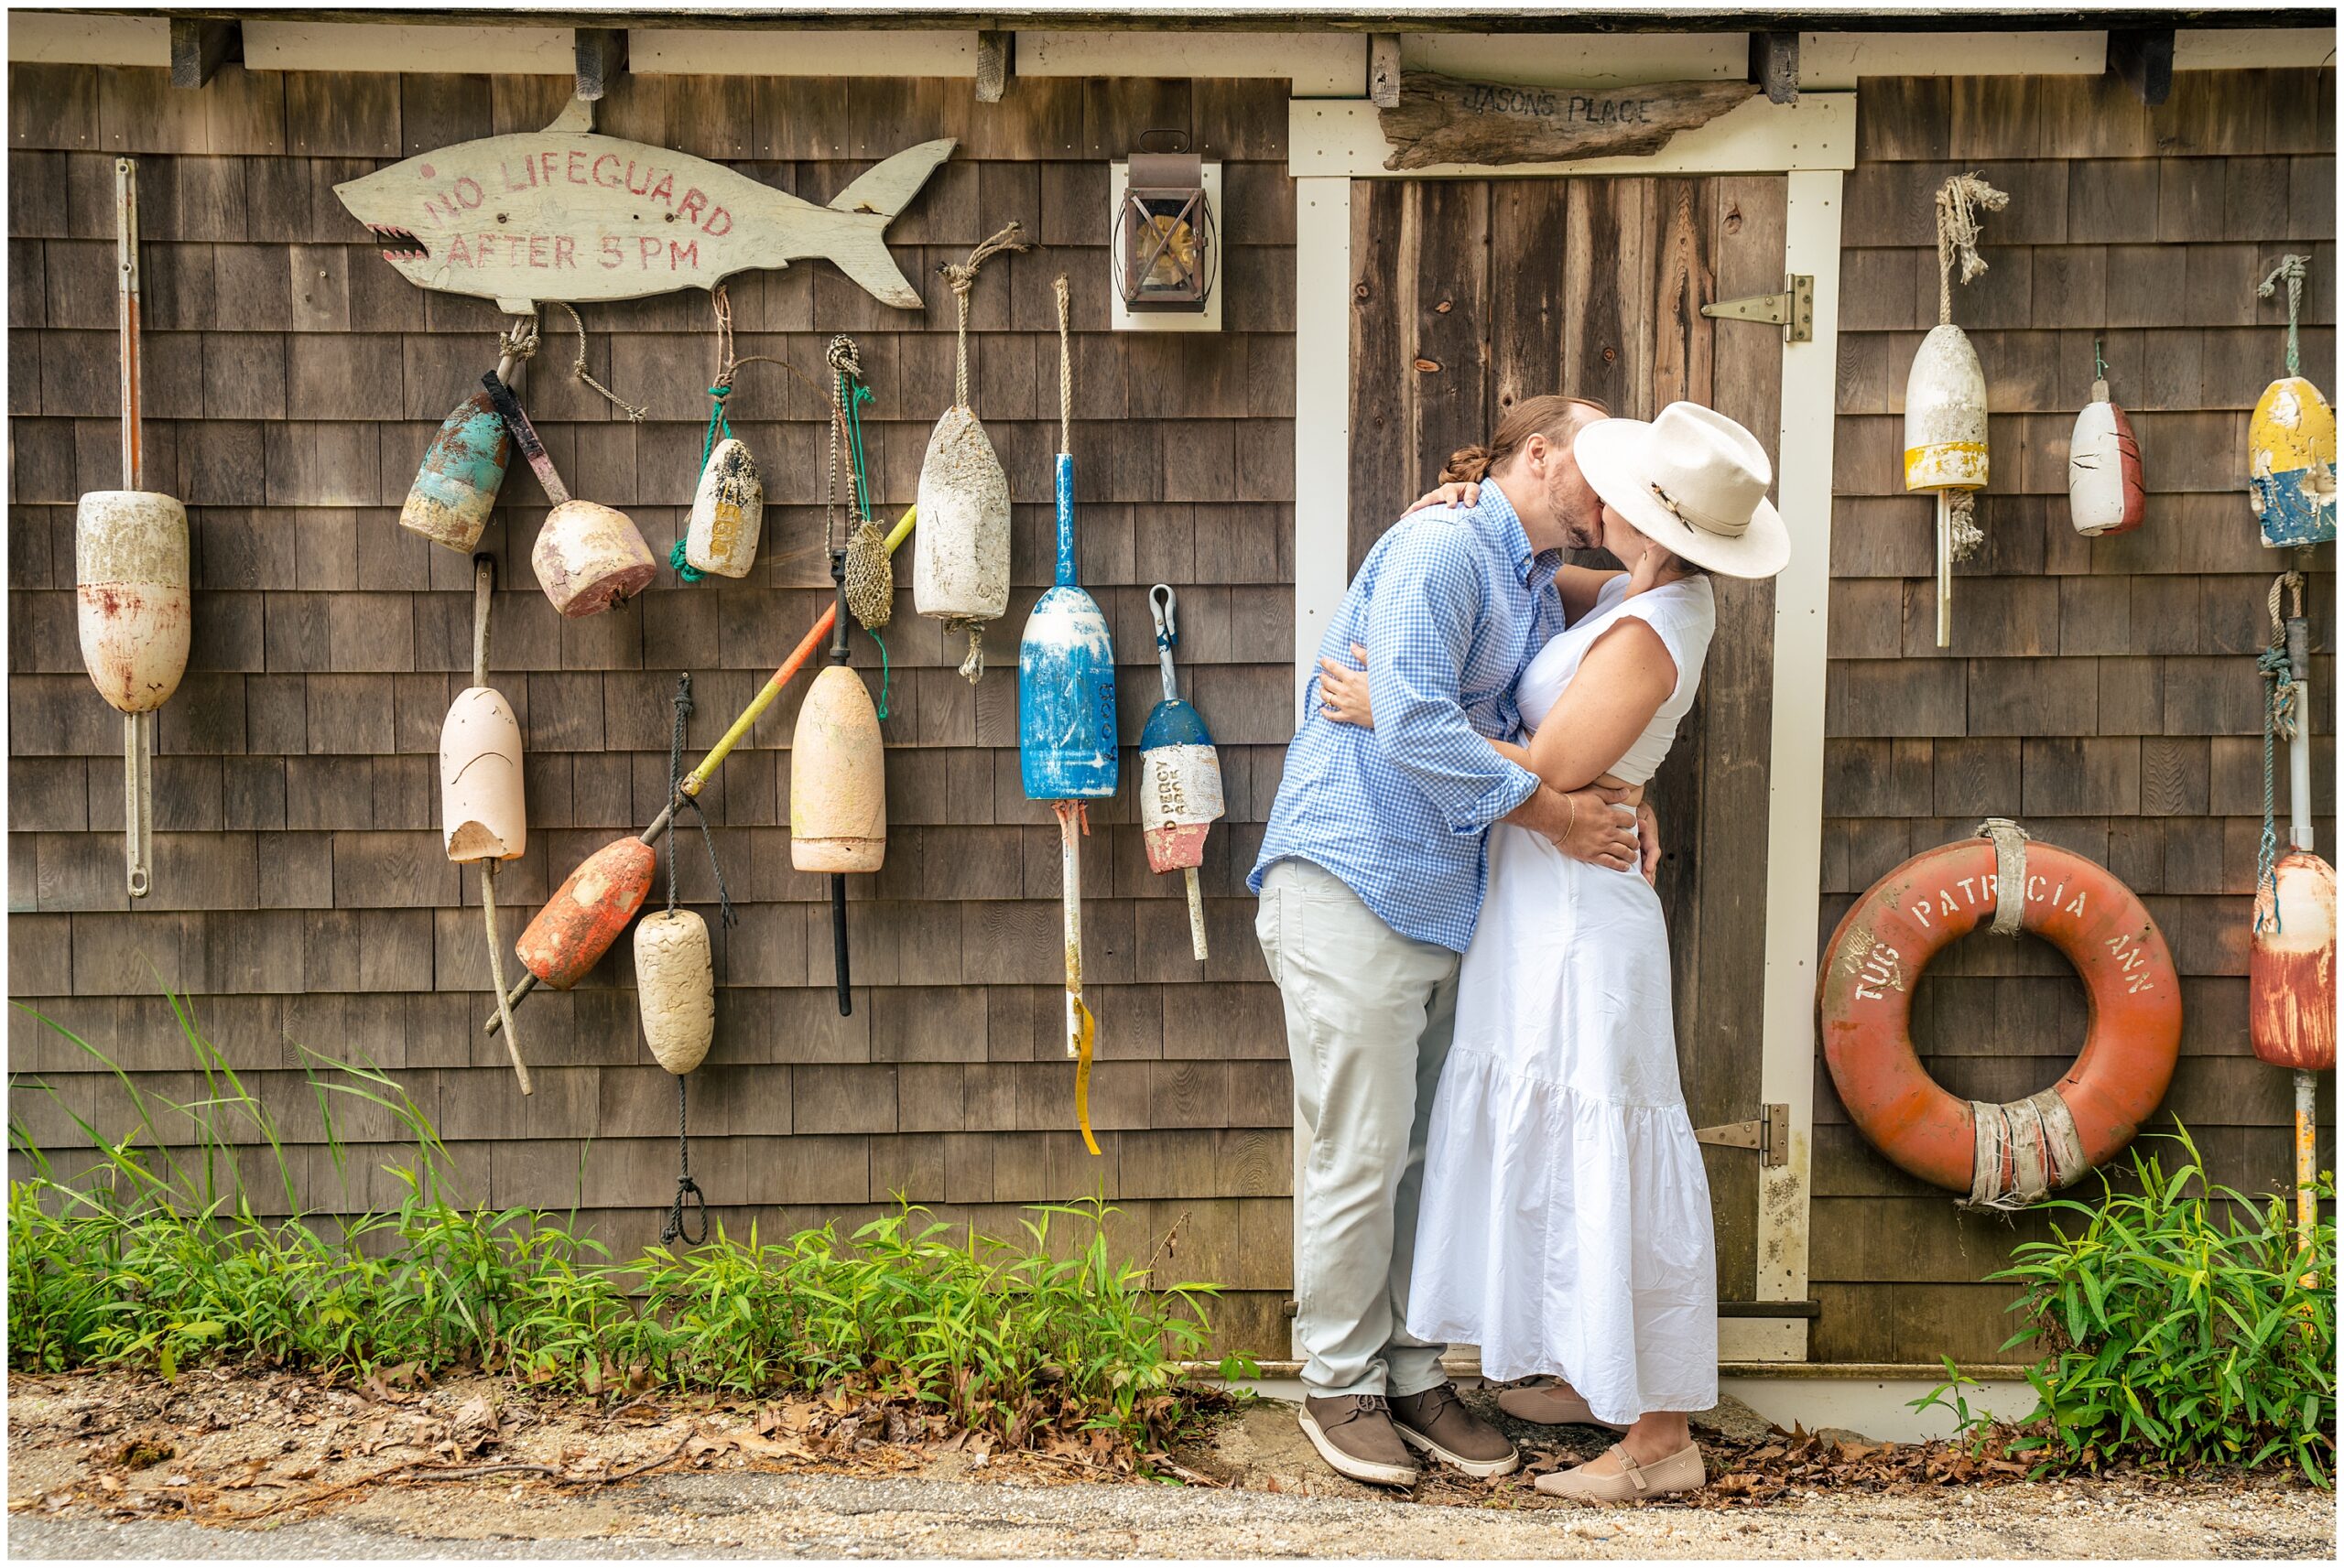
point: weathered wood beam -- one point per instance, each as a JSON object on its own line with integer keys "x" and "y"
{"x": 1441, "y": 119}
{"x": 1774, "y": 65}
{"x": 2143, "y": 58}
{"x": 996, "y": 63}
{"x": 601, "y": 59}
{"x": 200, "y": 45}
{"x": 1384, "y": 69}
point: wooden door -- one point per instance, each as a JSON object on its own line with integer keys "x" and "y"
{"x": 1469, "y": 295}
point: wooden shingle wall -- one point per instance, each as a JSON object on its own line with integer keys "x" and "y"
{"x": 301, "y": 898}
{"x": 2103, "y": 693}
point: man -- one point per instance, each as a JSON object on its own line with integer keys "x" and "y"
{"x": 1370, "y": 880}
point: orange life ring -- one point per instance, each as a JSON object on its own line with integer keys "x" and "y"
{"x": 2007, "y": 1155}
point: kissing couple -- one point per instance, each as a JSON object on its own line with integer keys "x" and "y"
{"x": 1457, "y": 907}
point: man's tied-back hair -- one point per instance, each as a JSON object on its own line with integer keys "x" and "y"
{"x": 1553, "y": 416}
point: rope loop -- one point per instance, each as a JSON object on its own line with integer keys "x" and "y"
{"x": 962, "y": 277}
{"x": 2291, "y": 268}
{"x": 579, "y": 371}
{"x": 676, "y": 792}
{"x": 2282, "y": 704}
{"x": 1958, "y": 201}
{"x": 673, "y": 1230}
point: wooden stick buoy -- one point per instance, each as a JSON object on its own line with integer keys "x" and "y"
{"x": 1066, "y": 721}
{"x": 483, "y": 816}
{"x": 961, "y": 564}
{"x": 1179, "y": 792}
{"x": 588, "y": 557}
{"x": 1945, "y": 396}
{"x": 728, "y": 513}
{"x": 585, "y": 916}
{"x": 2106, "y": 493}
{"x": 463, "y": 468}
{"x": 747, "y": 718}
{"x": 675, "y": 979}
{"x": 136, "y": 606}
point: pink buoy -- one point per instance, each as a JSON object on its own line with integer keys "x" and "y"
{"x": 588, "y": 557}
{"x": 481, "y": 814}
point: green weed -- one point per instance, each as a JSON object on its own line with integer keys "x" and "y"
{"x": 2181, "y": 1325}
{"x": 153, "y": 1256}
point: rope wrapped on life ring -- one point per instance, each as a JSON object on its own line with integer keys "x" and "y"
{"x": 2009, "y": 1155}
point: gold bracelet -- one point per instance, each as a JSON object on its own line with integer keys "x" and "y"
{"x": 1572, "y": 801}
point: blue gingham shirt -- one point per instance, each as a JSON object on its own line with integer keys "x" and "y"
{"x": 1450, "y": 605}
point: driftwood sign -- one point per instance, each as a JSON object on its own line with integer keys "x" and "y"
{"x": 1441, "y": 120}
{"x": 565, "y": 214}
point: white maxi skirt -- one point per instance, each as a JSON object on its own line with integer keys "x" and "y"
{"x": 1566, "y": 1225}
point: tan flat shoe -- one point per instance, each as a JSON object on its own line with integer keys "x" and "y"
{"x": 1550, "y": 1403}
{"x": 1634, "y": 1483}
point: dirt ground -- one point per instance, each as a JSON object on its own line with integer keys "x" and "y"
{"x": 105, "y": 1466}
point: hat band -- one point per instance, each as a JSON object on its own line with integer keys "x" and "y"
{"x": 1725, "y": 528}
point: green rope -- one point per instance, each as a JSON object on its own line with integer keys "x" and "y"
{"x": 857, "y": 395}
{"x": 883, "y": 675}
{"x": 2279, "y": 720}
{"x": 717, "y": 421}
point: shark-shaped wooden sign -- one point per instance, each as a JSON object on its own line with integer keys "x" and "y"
{"x": 563, "y": 213}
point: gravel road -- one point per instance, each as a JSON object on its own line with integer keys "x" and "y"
{"x": 751, "y": 1514}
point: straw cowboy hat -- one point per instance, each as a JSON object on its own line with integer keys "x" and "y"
{"x": 1694, "y": 482}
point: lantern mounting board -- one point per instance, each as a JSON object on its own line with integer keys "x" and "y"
{"x": 1122, "y": 319}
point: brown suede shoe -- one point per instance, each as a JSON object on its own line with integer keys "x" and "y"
{"x": 1438, "y": 1421}
{"x": 1353, "y": 1433}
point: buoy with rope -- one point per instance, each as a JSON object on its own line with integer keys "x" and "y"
{"x": 2106, "y": 492}
{"x": 483, "y": 813}
{"x": 960, "y": 563}
{"x": 2291, "y": 440}
{"x": 2012, "y": 1154}
{"x": 729, "y": 503}
{"x": 456, "y": 484}
{"x": 1179, "y": 792}
{"x": 1945, "y": 394}
{"x": 1066, "y": 723}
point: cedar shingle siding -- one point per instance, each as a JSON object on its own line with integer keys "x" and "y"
{"x": 302, "y": 897}
{"x": 2103, "y": 692}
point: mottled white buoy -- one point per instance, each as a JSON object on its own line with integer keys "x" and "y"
{"x": 728, "y": 513}
{"x": 674, "y": 981}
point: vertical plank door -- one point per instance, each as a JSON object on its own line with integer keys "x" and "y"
{"x": 1470, "y": 295}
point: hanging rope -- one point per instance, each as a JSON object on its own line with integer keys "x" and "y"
{"x": 962, "y": 277}
{"x": 1958, "y": 201}
{"x": 674, "y": 1228}
{"x": 2281, "y": 715}
{"x": 870, "y": 579}
{"x": 2290, "y": 267}
{"x": 579, "y": 371}
{"x": 1066, "y": 371}
{"x": 517, "y": 342}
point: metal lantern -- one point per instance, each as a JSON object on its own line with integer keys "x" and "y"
{"x": 1166, "y": 251}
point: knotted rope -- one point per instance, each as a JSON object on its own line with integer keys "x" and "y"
{"x": 1066, "y": 371}
{"x": 674, "y": 1227}
{"x": 2290, "y": 267}
{"x": 962, "y": 277}
{"x": 719, "y": 427}
{"x": 578, "y": 370}
{"x": 1958, "y": 203}
{"x": 856, "y": 539}
{"x": 2281, "y": 701}
{"x": 517, "y": 342}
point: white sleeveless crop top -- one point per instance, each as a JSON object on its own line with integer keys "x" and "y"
{"x": 1683, "y": 612}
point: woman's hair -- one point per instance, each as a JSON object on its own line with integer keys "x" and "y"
{"x": 1551, "y": 415}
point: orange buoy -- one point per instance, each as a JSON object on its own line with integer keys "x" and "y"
{"x": 2291, "y": 967}
{"x": 582, "y": 920}
{"x": 2000, "y": 1155}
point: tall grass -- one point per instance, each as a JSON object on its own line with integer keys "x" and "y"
{"x": 155, "y": 1256}
{"x": 2182, "y": 1326}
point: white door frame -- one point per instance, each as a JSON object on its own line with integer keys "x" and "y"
{"x": 1331, "y": 142}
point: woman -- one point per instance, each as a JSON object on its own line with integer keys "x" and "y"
{"x": 1564, "y": 1226}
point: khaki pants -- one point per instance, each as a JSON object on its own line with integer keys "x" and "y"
{"x": 1369, "y": 1015}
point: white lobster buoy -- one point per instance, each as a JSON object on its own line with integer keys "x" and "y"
{"x": 130, "y": 561}
{"x": 674, "y": 981}
{"x": 1945, "y": 448}
{"x": 2106, "y": 493}
{"x": 961, "y": 555}
{"x": 481, "y": 814}
{"x": 728, "y": 513}
{"x": 589, "y": 558}
{"x": 838, "y": 777}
